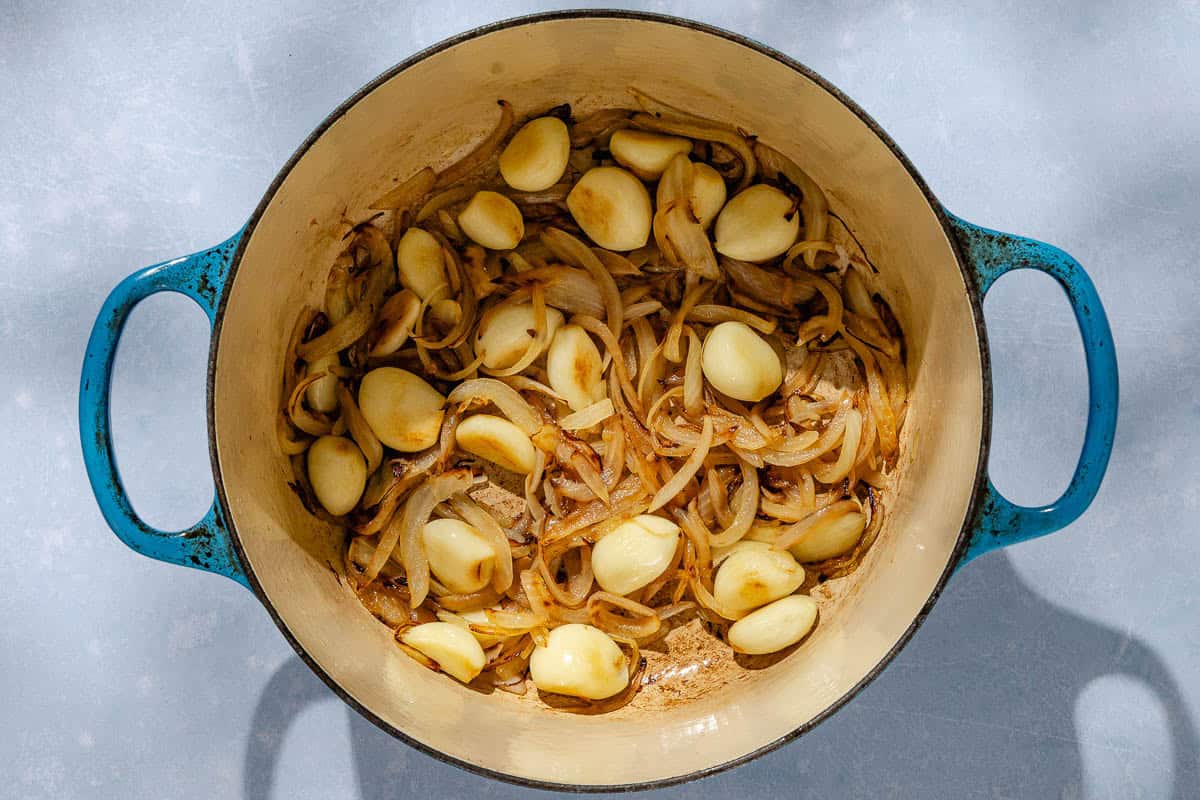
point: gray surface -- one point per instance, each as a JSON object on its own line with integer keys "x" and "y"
{"x": 1068, "y": 667}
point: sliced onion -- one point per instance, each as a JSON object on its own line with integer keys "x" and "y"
{"x": 668, "y": 119}
{"x": 712, "y": 314}
{"x": 482, "y": 152}
{"x": 627, "y": 500}
{"x": 570, "y": 249}
{"x": 588, "y": 417}
{"x": 675, "y": 331}
{"x": 567, "y": 288}
{"x": 693, "y": 376}
{"x": 502, "y": 396}
{"x": 878, "y": 400}
{"x": 310, "y": 422}
{"x": 407, "y": 193}
{"x": 835, "y": 472}
{"x": 407, "y": 531}
{"x": 617, "y": 265}
{"x": 744, "y": 507}
{"x": 289, "y": 445}
{"x": 363, "y": 436}
{"x": 641, "y": 622}
{"x": 523, "y": 383}
{"x": 598, "y": 125}
{"x": 686, "y": 472}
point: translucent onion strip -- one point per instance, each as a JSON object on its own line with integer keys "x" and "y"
{"x": 693, "y": 376}
{"x": 712, "y": 314}
{"x": 570, "y": 249}
{"x": 835, "y": 472}
{"x": 361, "y": 432}
{"x": 686, "y": 472}
{"x": 744, "y": 508}
{"x": 502, "y": 396}
{"x": 406, "y": 195}
{"x": 406, "y": 530}
{"x": 482, "y": 152}
{"x": 588, "y": 417}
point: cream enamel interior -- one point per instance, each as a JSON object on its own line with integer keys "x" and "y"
{"x": 434, "y": 110}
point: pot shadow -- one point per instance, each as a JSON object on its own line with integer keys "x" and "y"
{"x": 984, "y": 696}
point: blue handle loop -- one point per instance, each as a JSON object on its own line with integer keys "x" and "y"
{"x": 205, "y": 545}
{"x": 992, "y": 254}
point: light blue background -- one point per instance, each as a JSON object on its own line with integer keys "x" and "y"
{"x": 1068, "y": 667}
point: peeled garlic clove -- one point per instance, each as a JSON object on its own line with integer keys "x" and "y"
{"x": 321, "y": 394}
{"x": 506, "y": 333}
{"x": 445, "y": 312}
{"x": 646, "y": 154}
{"x": 452, "y": 646}
{"x": 830, "y": 539}
{"x": 748, "y": 579}
{"x": 497, "y": 440}
{"x": 574, "y": 367}
{"x": 773, "y": 627}
{"x": 420, "y": 261}
{"x": 739, "y": 363}
{"x": 396, "y": 320}
{"x": 757, "y": 224}
{"x": 492, "y": 220}
{"x": 536, "y": 156}
{"x": 612, "y": 207}
{"x": 403, "y": 410}
{"x": 458, "y": 555}
{"x": 337, "y": 472}
{"x": 580, "y": 661}
{"x": 708, "y": 193}
{"x": 634, "y": 553}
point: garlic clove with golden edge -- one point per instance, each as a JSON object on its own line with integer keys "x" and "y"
{"x": 740, "y": 363}
{"x": 708, "y": 193}
{"x": 420, "y": 262}
{"x": 452, "y": 646}
{"x": 774, "y": 626}
{"x": 506, "y": 333}
{"x": 749, "y": 578}
{"x": 493, "y": 221}
{"x": 574, "y": 366}
{"x": 536, "y": 156}
{"x": 830, "y": 539}
{"x": 580, "y": 661}
{"x": 321, "y": 394}
{"x": 458, "y": 555}
{"x": 757, "y": 224}
{"x": 646, "y": 154}
{"x": 497, "y": 440}
{"x": 337, "y": 472}
{"x": 404, "y": 411}
{"x": 634, "y": 553}
{"x": 612, "y": 207}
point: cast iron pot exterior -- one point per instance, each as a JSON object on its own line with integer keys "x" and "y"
{"x": 216, "y": 544}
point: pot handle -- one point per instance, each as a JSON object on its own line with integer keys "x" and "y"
{"x": 205, "y": 545}
{"x": 991, "y": 254}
